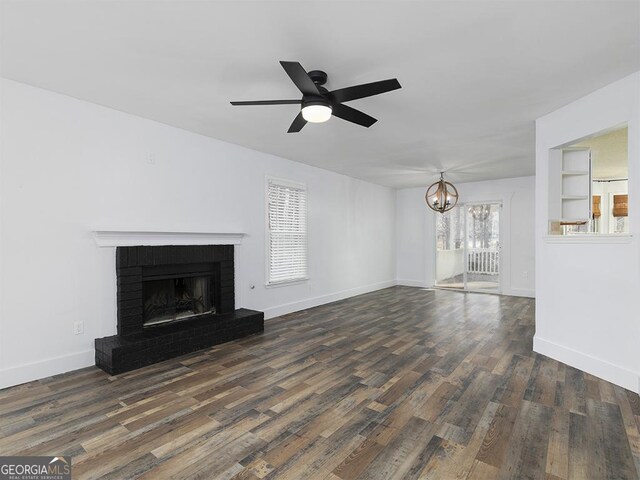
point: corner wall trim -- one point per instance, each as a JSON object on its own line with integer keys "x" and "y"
{"x": 45, "y": 368}
{"x": 323, "y": 299}
{"x": 595, "y": 366}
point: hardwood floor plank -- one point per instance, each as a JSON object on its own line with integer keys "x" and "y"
{"x": 581, "y": 463}
{"x": 355, "y": 463}
{"x": 558, "y": 449}
{"x": 496, "y": 441}
{"x": 397, "y": 458}
{"x": 527, "y": 454}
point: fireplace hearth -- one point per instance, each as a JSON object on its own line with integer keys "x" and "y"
{"x": 173, "y": 300}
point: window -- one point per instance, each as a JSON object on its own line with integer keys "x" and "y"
{"x": 588, "y": 185}
{"x": 286, "y": 231}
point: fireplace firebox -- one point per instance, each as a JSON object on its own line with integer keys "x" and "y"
{"x": 173, "y": 300}
{"x": 179, "y": 293}
{"x": 167, "y": 284}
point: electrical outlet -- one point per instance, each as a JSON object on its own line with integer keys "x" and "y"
{"x": 525, "y": 274}
{"x": 151, "y": 158}
{"x": 78, "y": 328}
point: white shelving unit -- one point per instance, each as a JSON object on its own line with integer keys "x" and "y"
{"x": 575, "y": 185}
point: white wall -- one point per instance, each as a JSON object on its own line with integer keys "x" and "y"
{"x": 69, "y": 167}
{"x": 587, "y": 300}
{"x": 415, "y": 232}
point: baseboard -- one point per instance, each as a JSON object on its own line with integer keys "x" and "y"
{"x": 66, "y": 363}
{"x": 413, "y": 283}
{"x": 595, "y": 366}
{"x": 323, "y": 299}
{"x": 521, "y": 292}
{"x": 514, "y": 292}
{"x": 45, "y": 368}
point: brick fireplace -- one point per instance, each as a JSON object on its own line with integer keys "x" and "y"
{"x": 171, "y": 300}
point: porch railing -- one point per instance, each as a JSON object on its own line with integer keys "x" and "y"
{"x": 483, "y": 260}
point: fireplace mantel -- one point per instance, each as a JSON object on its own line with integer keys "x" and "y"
{"x": 130, "y": 238}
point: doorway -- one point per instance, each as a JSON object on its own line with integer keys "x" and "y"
{"x": 468, "y": 247}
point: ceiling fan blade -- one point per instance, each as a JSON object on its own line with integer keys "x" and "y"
{"x": 297, "y": 124}
{"x": 300, "y": 78}
{"x": 365, "y": 90}
{"x": 269, "y": 102}
{"x": 352, "y": 115}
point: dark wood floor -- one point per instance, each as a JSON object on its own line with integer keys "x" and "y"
{"x": 403, "y": 383}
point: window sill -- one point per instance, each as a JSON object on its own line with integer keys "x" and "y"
{"x": 589, "y": 238}
{"x": 285, "y": 283}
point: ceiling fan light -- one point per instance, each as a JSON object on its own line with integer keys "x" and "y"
{"x": 316, "y": 113}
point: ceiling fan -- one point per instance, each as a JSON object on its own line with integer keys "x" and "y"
{"x": 319, "y": 104}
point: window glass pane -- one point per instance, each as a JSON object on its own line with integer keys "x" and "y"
{"x": 449, "y": 230}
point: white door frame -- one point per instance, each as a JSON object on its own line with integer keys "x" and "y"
{"x": 505, "y": 242}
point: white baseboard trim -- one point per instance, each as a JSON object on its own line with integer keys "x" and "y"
{"x": 66, "y": 363}
{"x": 413, "y": 283}
{"x": 521, "y": 292}
{"x": 45, "y": 368}
{"x": 595, "y": 366}
{"x": 514, "y": 292}
{"x": 323, "y": 299}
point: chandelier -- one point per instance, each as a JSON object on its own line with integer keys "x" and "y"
{"x": 480, "y": 212}
{"x": 442, "y": 196}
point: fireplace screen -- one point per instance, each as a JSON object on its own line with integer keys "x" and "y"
{"x": 176, "y": 299}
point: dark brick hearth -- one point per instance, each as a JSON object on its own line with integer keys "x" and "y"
{"x": 121, "y": 353}
{"x": 137, "y": 345}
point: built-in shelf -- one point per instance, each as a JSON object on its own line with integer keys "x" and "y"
{"x": 569, "y": 220}
{"x": 568, "y": 173}
{"x": 569, "y": 188}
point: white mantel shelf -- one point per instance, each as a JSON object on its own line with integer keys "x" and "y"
{"x": 126, "y": 238}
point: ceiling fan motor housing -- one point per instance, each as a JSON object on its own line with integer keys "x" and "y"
{"x": 318, "y": 76}
{"x": 308, "y": 101}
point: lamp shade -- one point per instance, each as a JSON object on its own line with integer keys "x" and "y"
{"x": 316, "y": 113}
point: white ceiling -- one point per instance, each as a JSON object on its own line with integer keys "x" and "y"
{"x": 474, "y": 74}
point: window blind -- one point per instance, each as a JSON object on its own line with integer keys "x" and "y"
{"x": 287, "y": 231}
{"x": 620, "y": 205}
